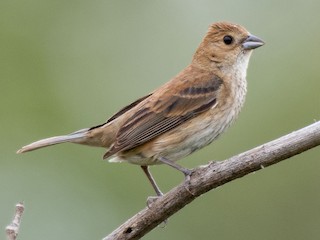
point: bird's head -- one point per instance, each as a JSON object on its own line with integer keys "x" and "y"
{"x": 226, "y": 45}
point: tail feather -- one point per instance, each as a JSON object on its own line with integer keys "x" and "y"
{"x": 75, "y": 137}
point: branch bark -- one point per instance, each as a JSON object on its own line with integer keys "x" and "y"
{"x": 214, "y": 174}
{"x": 12, "y": 229}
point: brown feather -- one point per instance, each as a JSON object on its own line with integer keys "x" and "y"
{"x": 156, "y": 116}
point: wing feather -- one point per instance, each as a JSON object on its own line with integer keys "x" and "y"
{"x": 158, "y": 116}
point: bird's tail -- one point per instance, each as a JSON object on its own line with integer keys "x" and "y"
{"x": 75, "y": 137}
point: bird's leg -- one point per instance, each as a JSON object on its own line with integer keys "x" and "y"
{"x": 187, "y": 172}
{"x": 154, "y": 185}
{"x": 150, "y": 200}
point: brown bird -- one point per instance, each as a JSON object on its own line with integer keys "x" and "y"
{"x": 182, "y": 116}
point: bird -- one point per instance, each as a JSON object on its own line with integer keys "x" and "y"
{"x": 184, "y": 115}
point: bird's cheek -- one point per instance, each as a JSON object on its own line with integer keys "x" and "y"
{"x": 212, "y": 57}
{"x": 215, "y": 58}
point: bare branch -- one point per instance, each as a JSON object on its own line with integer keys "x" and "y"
{"x": 12, "y": 229}
{"x": 205, "y": 178}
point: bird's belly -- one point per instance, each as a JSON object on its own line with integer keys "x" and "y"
{"x": 194, "y": 139}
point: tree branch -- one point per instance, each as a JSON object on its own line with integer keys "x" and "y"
{"x": 214, "y": 174}
{"x": 12, "y": 229}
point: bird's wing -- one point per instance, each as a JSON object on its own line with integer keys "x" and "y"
{"x": 122, "y": 111}
{"x": 159, "y": 115}
{"x": 127, "y": 108}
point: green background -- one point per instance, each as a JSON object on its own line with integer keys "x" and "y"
{"x": 67, "y": 65}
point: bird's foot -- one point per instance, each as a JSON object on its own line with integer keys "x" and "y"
{"x": 151, "y": 200}
{"x": 187, "y": 178}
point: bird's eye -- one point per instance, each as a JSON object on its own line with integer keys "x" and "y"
{"x": 227, "y": 39}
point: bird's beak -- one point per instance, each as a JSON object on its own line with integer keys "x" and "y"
{"x": 252, "y": 42}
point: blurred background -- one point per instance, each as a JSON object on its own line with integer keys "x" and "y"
{"x": 67, "y": 65}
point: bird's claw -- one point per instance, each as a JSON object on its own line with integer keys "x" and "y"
{"x": 151, "y": 200}
{"x": 187, "y": 178}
